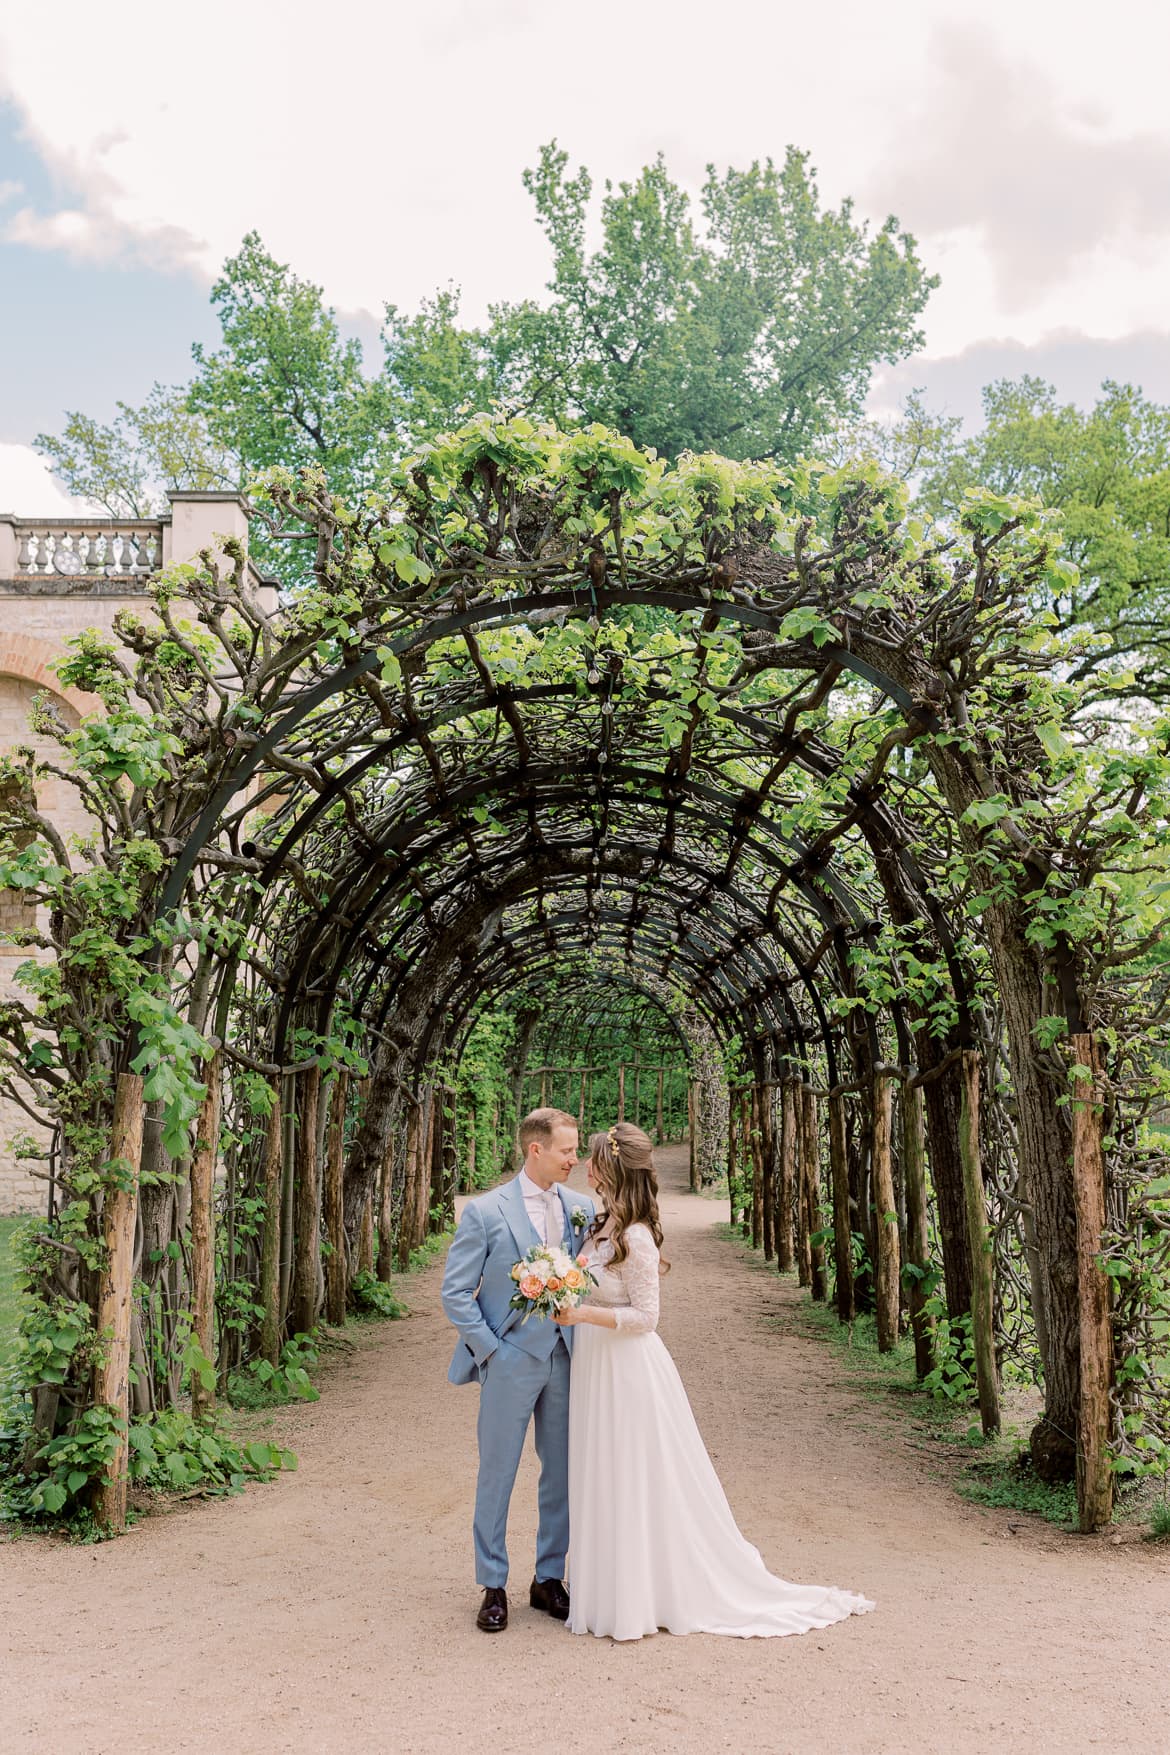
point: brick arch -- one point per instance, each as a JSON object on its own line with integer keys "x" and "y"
{"x": 30, "y": 660}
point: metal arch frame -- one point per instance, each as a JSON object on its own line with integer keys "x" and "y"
{"x": 515, "y": 610}
{"x": 768, "y": 931}
{"x": 737, "y": 1004}
{"x": 598, "y": 983}
{"x": 700, "y": 601}
{"x": 512, "y": 971}
{"x": 816, "y": 762}
{"x": 739, "y": 995}
{"x": 566, "y": 850}
{"x": 404, "y": 833}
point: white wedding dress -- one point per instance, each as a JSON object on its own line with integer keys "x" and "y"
{"x": 653, "y": 1542}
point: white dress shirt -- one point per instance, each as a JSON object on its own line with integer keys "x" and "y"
{"x": 539, "y": 1211}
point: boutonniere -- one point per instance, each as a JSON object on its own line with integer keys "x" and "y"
{"x": 580, "y": 1218}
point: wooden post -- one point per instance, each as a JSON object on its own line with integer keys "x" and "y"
{"x": 1094, "y": 1476}
{"x": 659, "y": 1131}
{"x": 693, "y": 1131}
{"x": 365, "y": 1264}
{"x": 307, "y": 1207}
{"x": 203, "y": 1232}
{"x": 111, "y": 1382}
{"x": 405, "y": 1220}
{"x": 443, "y": 1161}
{"x": 812, "y": 1174}
{"x": 732, "y": 1186}
{"x": 785, "y": 1249}
{"x": 581, "y": 1107}
{"x": 888, "y": 1268}
{"x": 426, "y": 1168}
{"x": 384, "y": 1267}
{"x": 803, "y": 1228}
{"x": 336, "y": 1276}
{"x": 917, "y": 1231}
{"x": 767, "y": 1168}
{"x": 842, "y": 1238}
{"x": 621, "y": 1114}
{"x": 983, "y": 1287}
{"x": 637, "y": 1093}
{"x": 288, "y": 1164}
{"x": 752, "y": 1131}
{"x": 744, "y": 1135}
{"x": 270, "y": 1241}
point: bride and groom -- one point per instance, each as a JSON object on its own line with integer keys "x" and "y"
{"x": 622, "y": 1463}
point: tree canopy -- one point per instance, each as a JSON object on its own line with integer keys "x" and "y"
{"x": 753, "y": 333}
{"x": 1106, "y": 470}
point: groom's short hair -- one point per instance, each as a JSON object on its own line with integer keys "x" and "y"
{"x": 540, "y": 1124}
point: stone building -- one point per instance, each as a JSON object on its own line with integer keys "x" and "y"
{"x": 59, "y": 576}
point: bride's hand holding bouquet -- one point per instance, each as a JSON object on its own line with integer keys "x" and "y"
{"x": 550, "y": 1282}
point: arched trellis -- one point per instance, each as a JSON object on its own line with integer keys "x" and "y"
{"x": 551, "y": 700}
{"x": 808, "y": 872}
{"x": 801, "y": 860}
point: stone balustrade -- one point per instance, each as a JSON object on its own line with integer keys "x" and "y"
{"x": 114, "y": 557}
{"x": 72, "y": 548}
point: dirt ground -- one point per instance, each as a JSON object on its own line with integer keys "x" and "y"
{"x": 334, "y": 1610}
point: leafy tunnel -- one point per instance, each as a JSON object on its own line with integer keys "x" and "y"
{"x": 561, "y": 733}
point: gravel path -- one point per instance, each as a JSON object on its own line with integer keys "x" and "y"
{"x": 333, "y": 1610}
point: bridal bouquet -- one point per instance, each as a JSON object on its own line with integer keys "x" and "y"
{"x": 548, "y": 1280}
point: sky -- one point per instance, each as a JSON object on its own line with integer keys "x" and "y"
{"x": 379, "y": 149}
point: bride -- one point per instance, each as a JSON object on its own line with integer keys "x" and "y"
{"x": 653, "y": 1541}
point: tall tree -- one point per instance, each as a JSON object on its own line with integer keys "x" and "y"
{"x": 126, "y": 465}
{"x": 754, "y": 335}
{"x": 754, "y": 339}
{"x": 1107, "y": 470}
{"x": 283, "y": 387}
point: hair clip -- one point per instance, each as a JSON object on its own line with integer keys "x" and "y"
{"x": 613, "y": 1136}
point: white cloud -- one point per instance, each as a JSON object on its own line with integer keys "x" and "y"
{"x": 70, "y": 230}
{"x": 380, "y": 149}
{"x": 28, "y": 489}
{"x": 1044, "y": 199}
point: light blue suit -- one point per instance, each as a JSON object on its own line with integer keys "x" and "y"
{"x": 522, "y": 1370}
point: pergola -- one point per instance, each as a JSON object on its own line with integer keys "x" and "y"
{"x": 556, "y": 727}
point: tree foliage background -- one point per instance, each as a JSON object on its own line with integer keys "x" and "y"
{"x": 753, "y": 332}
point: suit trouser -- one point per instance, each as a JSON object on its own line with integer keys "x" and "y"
{"x": 516, "y": 1389}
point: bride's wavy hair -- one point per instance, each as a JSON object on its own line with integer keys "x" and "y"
{"x": 623, "y": 1163}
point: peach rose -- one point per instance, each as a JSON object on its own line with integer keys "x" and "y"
{"x": 574, "y": 1279}
{"x": 531, "y": 1287}
{"x": 554, "y": 1285}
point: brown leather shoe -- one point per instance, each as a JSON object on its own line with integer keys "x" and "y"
{"x": 493, "y": 1611}
{"x": 550, "y": 1595}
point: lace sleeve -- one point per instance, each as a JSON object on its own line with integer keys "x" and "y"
{"x": 640, "y": 1276}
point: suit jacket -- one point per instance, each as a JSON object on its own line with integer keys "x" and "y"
{"x": 493, "y": 1234}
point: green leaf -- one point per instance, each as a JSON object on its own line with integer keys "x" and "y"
{"x": 1054, "y": 740}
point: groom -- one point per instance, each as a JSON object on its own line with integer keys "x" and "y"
{"x": 523, "y": 1372}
